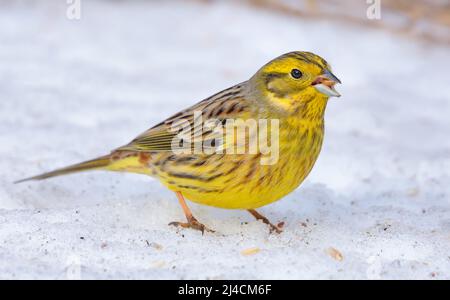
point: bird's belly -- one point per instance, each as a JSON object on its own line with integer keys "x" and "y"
{"x": 235, "y": 181}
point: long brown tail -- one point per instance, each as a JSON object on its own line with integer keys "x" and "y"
{"x": 93, "y": 164}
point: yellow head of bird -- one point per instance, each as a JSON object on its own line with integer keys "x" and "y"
{"x": 295, "y": 74}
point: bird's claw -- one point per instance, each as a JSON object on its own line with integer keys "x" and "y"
{"x": 274, "y": 228}
{"x": 193, "y": 224}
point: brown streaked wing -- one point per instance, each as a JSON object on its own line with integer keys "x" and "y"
{"x": 226, "y": 104}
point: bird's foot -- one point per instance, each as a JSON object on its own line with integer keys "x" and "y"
{"x": 193, "y": 224}
{"x": 272, "y": 228}
{"x": 258, "y": 216}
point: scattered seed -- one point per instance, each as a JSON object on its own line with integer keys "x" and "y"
{"x": 158, "y": 264}
{"x": 155, "y": 245}
{"x": 334, "y": 253}
{"x": 413, "y": 192}
{"x": 250, "y": 251}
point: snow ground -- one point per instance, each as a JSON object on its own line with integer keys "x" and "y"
{"x": 72, "y": 90}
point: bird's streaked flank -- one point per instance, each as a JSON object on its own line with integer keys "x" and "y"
{"x": 293, "y": 89}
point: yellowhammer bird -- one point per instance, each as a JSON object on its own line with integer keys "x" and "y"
{"x": 210, "y": 163}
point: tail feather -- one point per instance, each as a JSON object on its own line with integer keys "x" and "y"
{"x": 98, "y": 163}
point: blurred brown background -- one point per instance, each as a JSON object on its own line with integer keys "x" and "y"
{"x": 428, "y": 20}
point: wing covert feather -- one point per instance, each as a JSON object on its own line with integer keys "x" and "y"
{"x": 227, "y": 104}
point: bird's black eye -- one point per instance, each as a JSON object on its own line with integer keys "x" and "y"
{"x": 296, "y": 73}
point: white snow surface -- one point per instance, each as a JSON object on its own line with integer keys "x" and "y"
{"x": 73, "y": 90}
